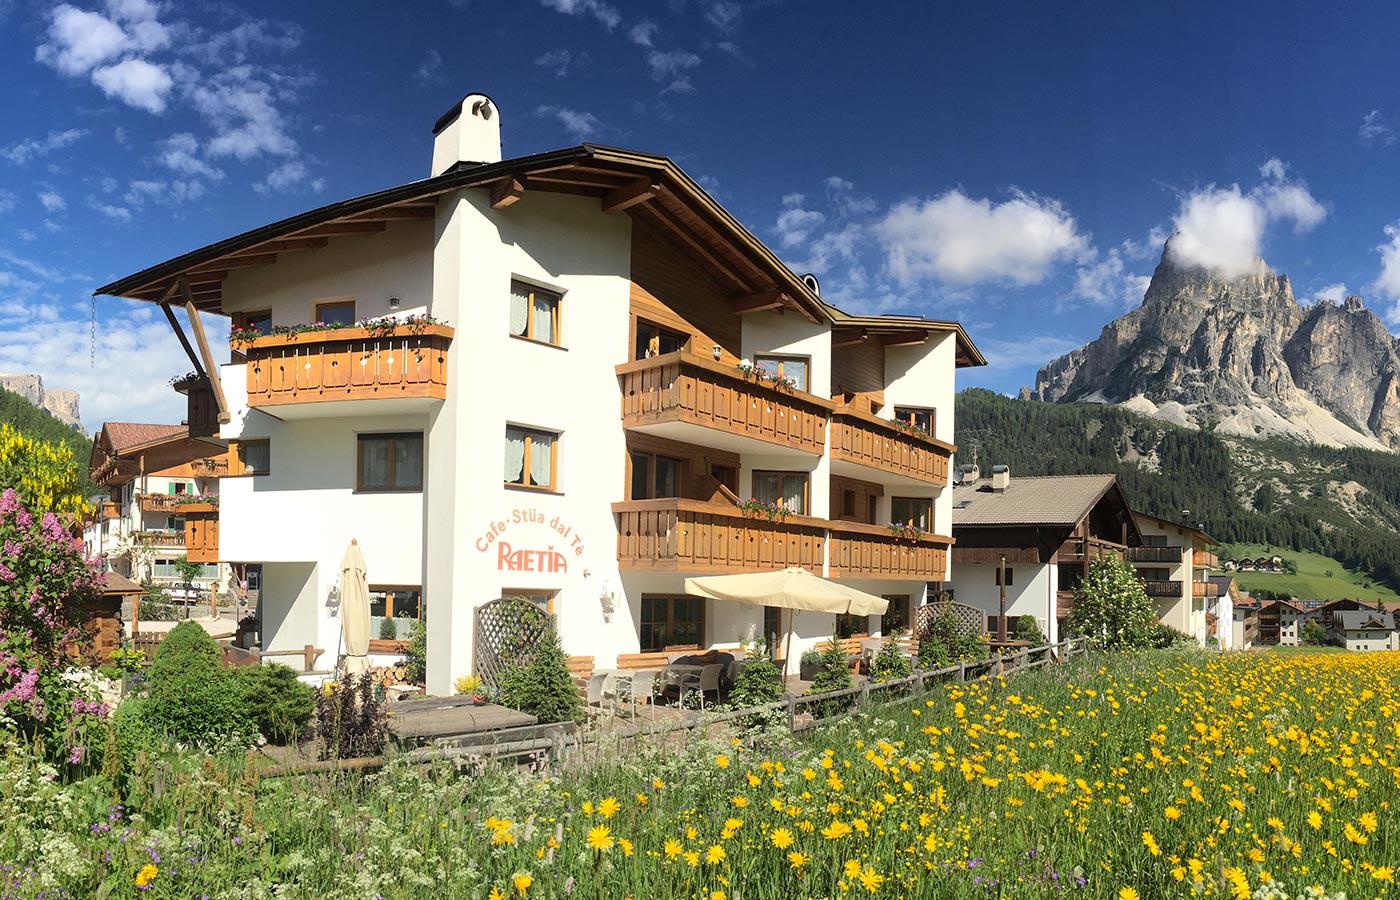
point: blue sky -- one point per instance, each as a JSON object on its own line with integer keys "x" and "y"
{"x": 1012, "y": 165}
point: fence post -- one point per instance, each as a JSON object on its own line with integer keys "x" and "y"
{"x": 1025, "y": 659}
{"x": 792, "y": 712}
{"x": 962, "y": 670}
{"x": 919, "y": 681}
{"x": 864, "y": 698}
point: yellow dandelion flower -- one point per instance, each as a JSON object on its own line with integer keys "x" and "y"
{"x": 1384, "y": 873}
{"x": 740, "y": 801}
{"x": 626, "y": 846}
{"x": 714, "y": 854}
{"x": 722, "y": 761}
{"x": 1171, "y": 812}
{"x": 522, "y": 882}
{"x": 657, "y": 783}
{"x": 1127, "y": 893}
{"x": 147, "y": 874}
{"x": 716, "y": 895}
{"x": 1315, "y": 819}
{"x": 599, "y": 838}
{"x": 1150, "y": 842}
{"x": 797, "y": 860}
{"x": 495, "y": 894}
{"x": 836, "y": 830}
{"x": 1350, "y": 832}
{"x": 1368, "y": 821}
{"x": 692, "y": 858}
{"x": 732, "y": 824}
{"x": 851, "y": 869}
{"x": 782, "y": 838}
{"x": 608, "y": 807}
{"x": 1255, "y": 855}
{"x": 672, "y": 849}
{"x": 870, "y": 879}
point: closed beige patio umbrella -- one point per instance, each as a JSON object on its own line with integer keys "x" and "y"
{"x": 354, "y": 610}
{"x": 794, "y": 589}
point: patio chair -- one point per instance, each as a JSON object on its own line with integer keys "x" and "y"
{"x": 644, "y": 684}
{"x": 869, "y": 649}
{"x": 595, "y": 691}
{"x": 709, "y": 681}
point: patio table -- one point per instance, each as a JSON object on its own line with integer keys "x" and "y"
{"x": 681, "y": 675}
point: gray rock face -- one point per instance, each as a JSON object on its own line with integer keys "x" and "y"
{"x": 1242, "y": 356}
{"x": 61, "y": 404}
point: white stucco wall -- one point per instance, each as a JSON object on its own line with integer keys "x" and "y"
{"x": 924, "y": 375}
{"x": 1031, "y": 592}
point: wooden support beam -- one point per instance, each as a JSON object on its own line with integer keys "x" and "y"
{"x": 846, "y": 337}
{"x": 236, "y": 262}
{"x": 289, "y": 245}
{"x": 904, "y": 339}
{"x": 696, "y": 246}
{"x": 770, "y": 298}
{"x": 507, "y": 192}
{"x": 210, "y": 367}
{"x": 344, "y": 227}
{"x": 639, "y": 191}
{"x": 180, "y": 332}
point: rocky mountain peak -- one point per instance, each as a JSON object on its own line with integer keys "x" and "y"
{"x": 59, "y": 403}
{"x": 1238, "y": 354}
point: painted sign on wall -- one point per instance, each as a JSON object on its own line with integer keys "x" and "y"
{"x": 530, "y": 557}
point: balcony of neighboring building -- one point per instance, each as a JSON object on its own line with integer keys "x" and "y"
{"x": 1080, "y": 551}
{"x": 1156, "y": 588}
{"x": 689, "y": 398}
{"x": 1154, "y": 554}
{"x": 1205, "y": 589}
{"x": 893, "y": 452}
{"x": 335, "y": 372}
{"x": 1204, "y": 559}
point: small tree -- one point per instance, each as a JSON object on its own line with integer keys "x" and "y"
{"x": 1111, "y": 607}
{"x": 1314, "y": 634}
{"x": 193, "y": 697}
{"x": 46, "y": 477}
{"x": 543, "y": 687}
{"x": 890, "y": 663}
{"x": 189, "y": 571}
{"x": 415, "y": 657}
{"x": 1028, "y": 629}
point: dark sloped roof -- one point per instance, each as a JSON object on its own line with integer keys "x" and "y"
{"x": 1057, "y": 500}
{"x": 113, "y": 583}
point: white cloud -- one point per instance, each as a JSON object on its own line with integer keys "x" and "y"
{"x": 795, "y": 224}
{"x": 1222, "y": 229}
{"x": 957, "y": 239}
{"x": 52, "y": 201}
{"x": 672, "y": 68}
{"x": 643, "y": 32}
{"x": 1387, "y": 283}
{"x": 430, "y": 70}
{"x": 290, "y": 175}
{"x": 1106, "y": 281}
{"x": 165, "y": 193}
{"x": 1027, "y": 352}
{"x": 7, "y": 200}
{"x": 579, "y": 125}
{"x": 116, "y": 213}
{"x": 1149, "y": 247}
{"x": 1333, "y": 292}
{"x": 1375, "y": 130}
{"x": 136, "y": 83}
{"x": 180, "y": 153}
{"x": 32, "y": 149}
{"x": 80, "y": 40}
{"x": 244, "y": 113}
{"x": 561, "y": 61}
{"x": 605, "y": 13}
{"x": 724, "y": 15}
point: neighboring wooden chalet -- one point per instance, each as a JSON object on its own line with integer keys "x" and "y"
{"x": 1366, "y": 629}
{"x": 1043, "y": 532}
{"x": 1279, "y": 623}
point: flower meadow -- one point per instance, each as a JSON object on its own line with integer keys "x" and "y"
{"x": 1159, "y": 774}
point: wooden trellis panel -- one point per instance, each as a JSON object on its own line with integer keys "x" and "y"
{"x": 505, "y": 635}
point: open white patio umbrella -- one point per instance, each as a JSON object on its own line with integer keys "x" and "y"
{"x": 354, "y": 610}
{"x": 794, "y": 589}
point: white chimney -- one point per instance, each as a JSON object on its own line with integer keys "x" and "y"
{"x": 468, "y": 134}
{"x": 1001, "y": 478}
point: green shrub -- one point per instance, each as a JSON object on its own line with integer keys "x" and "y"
{"x": 415, "y": 657}
{"x": 1028, "y": 629}
{"x": 890, "y": 663}
{"x": 1112, "y": 609}
{"x": 136, "y": 733}
{"x": 388, "y": 631}
{"x": 543, "y": 687}
{"x": 759, "y": 682}
{"x": 1163, "y": 637}
{"x": 834, "y": 675}
{"x": 193, "y": 697}
{"x": 350, "y": 720}
{"x": 278, "y": 705}
{"x": 933, "y": 654}
{"x": 946, "y": 631}
{"x": 1314, "y": 633}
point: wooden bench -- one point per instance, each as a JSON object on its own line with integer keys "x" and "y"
{"x": 581, "y": 667}
{"x": 850, "y": 646}
{"x": 645, "y": 660}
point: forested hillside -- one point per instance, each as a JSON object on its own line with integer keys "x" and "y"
{"x": 1342, "y": 503}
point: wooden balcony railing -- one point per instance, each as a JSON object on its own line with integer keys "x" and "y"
{"x": 678, "y": 535}
{"x": 1155, "y": 554}
{"x": 109, "y": 509}
{"x": 1064, "y": 604}
{"x": 1081, "y": 549}
{"x": 201, "y": 532}
{"x": 876, "y": 443}
{"x": 680, "y": 387}
{"x": 869, "y": 551}
{"x": 348, "y": 364}
{"x": 1162, "y": 588}
{"x": 176, "y": 504}
{"x": 113, "y": 470}
{"x": 159, "y": 538}
{"x": 1205, "y": 589}
{"x": 1204, "y": 559}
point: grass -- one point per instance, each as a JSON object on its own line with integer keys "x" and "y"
{"x": 1312, "y": 581}
{"x": 1287, "y": 650}
{"x": 1151, "y": 775}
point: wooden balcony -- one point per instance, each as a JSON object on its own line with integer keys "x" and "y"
{"x": 870, "y": 551}
{"x": 1064, "y": 604}
{"x": 109, "y": 509}
{"x": 871, "y": 442}
{"x": 201, "y": 409}
{"x": 201, "y": 532}
{"x": 1205, "y": 589}
{"x": 175, "y": 504}
{"x": 1079, "y": 550}
{"x": 678, "y": 535}
{"x": 699, "y": 401}
{"x": 1204, "y": 559}
{"x": 1162, "y": 588}
{"x": 347, "y": 364}
{"x": 161, "y": 539}
{"x": 1171, "y": 555}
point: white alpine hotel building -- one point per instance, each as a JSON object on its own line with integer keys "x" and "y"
{"x": 615, "y": 366}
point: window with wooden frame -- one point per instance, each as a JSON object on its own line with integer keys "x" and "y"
{"x": 793, "y": 367}
{"x": 534, "y": 313}
{"x": 254, "y": 457}
{"x": 544, "y": 599}
{"x": 387, "y": 463}
{"x": 653, "y": 340}
{"x": 914, "y": 511}
{"x": 336, "y": 312}
{"x": 850, "y": 626}
{"x": 397, "y": 601}
{"x": 773, "y": 630}
{"x": 532, "y": 458}
{"x": 671, "y": 621}
{"x": 654, "y": 475}
{"x": 917, "y": 416}
{"x": 896, "y": 618}
{"x": 787, "y": 488}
